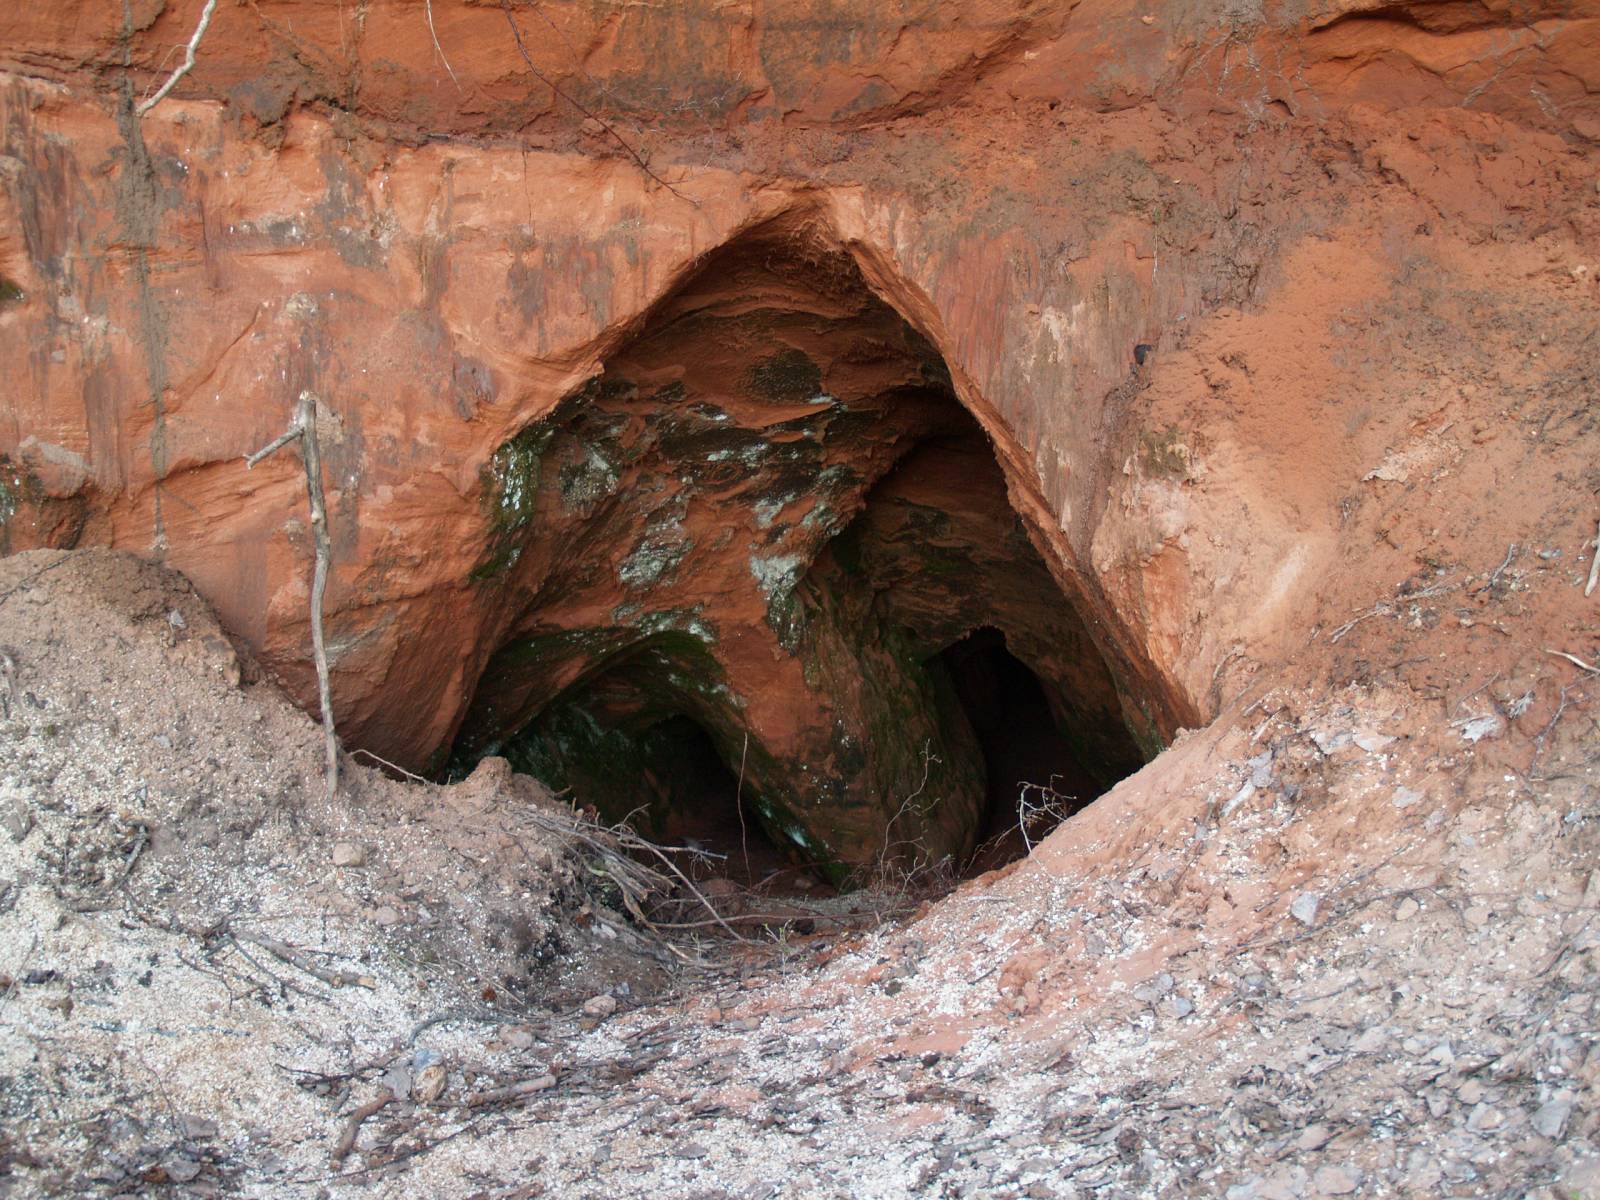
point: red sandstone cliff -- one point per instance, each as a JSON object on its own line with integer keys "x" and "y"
{"x": 1305, "y": 211}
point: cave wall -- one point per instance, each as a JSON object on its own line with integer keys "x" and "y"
{"x": 767, "y": 514}
{"x": 444, "y": 250}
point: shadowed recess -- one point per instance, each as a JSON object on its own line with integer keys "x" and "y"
{"x": 768, "y": 544}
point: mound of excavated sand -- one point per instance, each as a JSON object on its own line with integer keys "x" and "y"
{"x": 1346, "y": 941}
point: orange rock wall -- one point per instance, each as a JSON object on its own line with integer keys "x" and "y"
{"x": 441, "y": 244}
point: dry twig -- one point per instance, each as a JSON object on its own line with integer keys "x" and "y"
{"x": 304, "y": 427}
{"x": 520, "y": 1090}
{"x": 433, "y": 33}
{"x": 352, "y": 1126}
{"x": 384, "y": 762}
{"x": 1386, "y": 609}
{"x": 516, "y": 32}
{"x": 1594, "y": 566}
{"x": 188, "y": 59}
{"x": 1575, "y": 661}
{"x": 297, "y": 958}
{"x": 738, "y": 804}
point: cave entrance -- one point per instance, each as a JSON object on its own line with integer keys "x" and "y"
{"x": 700, "y": 805}
{"x": 1033, "y": 774}
{"x": 770, "y": 519}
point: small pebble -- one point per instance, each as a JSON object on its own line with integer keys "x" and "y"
{"x": 1313, "y": 1137}
{"x": 349, "y": 854}
{"x": 1551, "y": 1119}
{"x": 198, "y": 1129}
{"x": 1334, "y": 1181}
{"x": 16, "y": 820}
{"x": 429, "y": 1083}
{"x": 1153, "y": 988}
{"x": 180, "y": 1169}
{"x": 1177, "y": 1007}
{"x": 1484, "y": 1118}
{"x": 600, "y": 1006}
{"x": 1304, "y": 908}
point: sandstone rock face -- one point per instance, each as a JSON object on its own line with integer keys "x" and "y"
{"x": 734, "y": 363}
{"x": 770, "y": 514}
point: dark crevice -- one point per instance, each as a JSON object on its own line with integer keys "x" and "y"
{"x": 1035, "y": 777}
{"x": 769, "y": 544}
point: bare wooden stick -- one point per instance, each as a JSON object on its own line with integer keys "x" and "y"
{"x": 352, "y": 1127}
{"x": 277, "y": 443}
{"x": 1594, "y": 567}
{"x": 297, "y": 958}
{"x": 1575, "y": 661}
{"x": 520, "y": 1090}
{"x": 312, "y": 456}
{"x": 516, "y": 32}
{"x": 384, "y": 762}
{"x": 188, "y": 59}
{"x": 304, "y": 427}
{"x": 738, "y": 804}
{"x": 428, "y": 4}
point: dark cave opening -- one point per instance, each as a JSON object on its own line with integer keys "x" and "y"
{"x": 695, "y": 800}
{"x": 767, "y": 563}
{"x": 1034, "y": 777}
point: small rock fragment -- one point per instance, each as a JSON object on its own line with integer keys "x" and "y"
{"x": 600, "y": 1006}
{"x": 398, "y": 1080}
{"x": 1289, "y": 1184}
{"x": 180, "y": 1168}
{"x": 1334, "y": 1181}
{"x": 1313, "y": 1137}
{"x": 1372, "y": 742}
{"x": 386, "y": 915}
{"x": 1304, "y": 908}
{"x": 1406, "y": 909}
{"x": 1484, "y": 1118}
{"x": 1177, "y": 1007}
{"x": 1551, "y": 1119}
{"x": 1479, "y": 728}
{"x": 1405, "y": 797}
{"x": 1261, "y": 769}
{"x": 1330, "y": 740}
{"x": 15, "y": 819}
{"x": 429, "y": 1083}
{"x": 1372, "y": 1041}
{"x": 1154, "y": 988}
{"x": 349, "y": 854}
{"x": 198, "y": 1129}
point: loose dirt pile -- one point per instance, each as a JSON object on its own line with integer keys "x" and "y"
{"x": 1344, "y": 941}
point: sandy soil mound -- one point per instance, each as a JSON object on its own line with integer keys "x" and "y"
{"x": 1342, "y": 942}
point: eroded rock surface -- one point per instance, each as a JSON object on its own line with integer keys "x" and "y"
{"x": 392, "y": 208}
{"x": 770, "y": 514}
